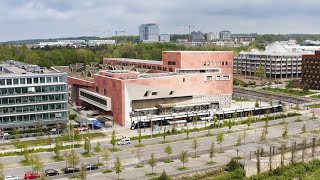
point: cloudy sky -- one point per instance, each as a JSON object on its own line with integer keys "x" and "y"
{"x": 29, "y": 19}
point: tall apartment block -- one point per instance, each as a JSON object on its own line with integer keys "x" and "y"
{"x": 311, "y": 70}
{"x": 31, "y": 96}
{"x": 197, "y": 36}
{"x": 278, "y": 61}
{"x": 225, "y": 35}
{"x": 149, "y": 32}
{"x": 212, "y": 36}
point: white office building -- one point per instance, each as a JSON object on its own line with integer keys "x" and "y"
{"x": 149, "y": 32}
{"x": 31, "y": 96}
{"x": 165, "y": 38}
{"x": 212, "y": 36}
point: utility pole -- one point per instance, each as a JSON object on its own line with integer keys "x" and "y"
{"x": 117, "y": 35}
{"x": 189, "y": 27}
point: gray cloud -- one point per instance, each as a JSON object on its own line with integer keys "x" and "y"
{"x": 24, "y": 19}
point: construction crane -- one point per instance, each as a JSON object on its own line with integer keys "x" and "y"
{"x": 117, "y": 35}
{"x": 189, "y": 26}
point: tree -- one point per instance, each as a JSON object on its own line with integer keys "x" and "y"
{"x": 258, "y": 161}
{"x": 168, "y": 150}
{"x": 73, "y": 159}
{"x": 57, "y": 147}
{"x": 304, "y": 128}
{"x": 257, "y": 103}
{"x": 138, "y": 155}
{"x": 195, "y": 120}
{"x": 66, "y": 155}
{"x": 249, "y": 120}
{"x": 261, "y": 73}
{"x": 215, "y": 120}
{"x": 285, "y": 132}
{"x": 1, "y": 171}
{"x": 97, "y": 150}
{"x": 83, "y": 172}
{"x": 38, "y": 163}
{"x": 195, "y": 145}
{"x": 26, "y": 153}
{"x": 139, "y": 137}
{"x": 239, "y": 140}
{"x": 87, "y": 146}
{"x": 152, "y": 161}
{"x": 164, "y": 176}
{"x": 118, "y": 166}
{"x": 187, "y": 132}
{"x": 113, "y": 140}
{"x": 283, "y": 148}
{"x": 164, "y": 133}
{"x": 263, "y": 135}
{"x": 106, "y": 154}
{"x": 229, "y": 124}
{"x": 220, "y": 139}
{"x": 184, "y": 157}
{"x": 43, "y": 175}
{"x": 211, "y": 151}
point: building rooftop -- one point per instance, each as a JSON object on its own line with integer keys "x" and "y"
{"x": 136, "y": 60}
{"x": 16, "y": 67}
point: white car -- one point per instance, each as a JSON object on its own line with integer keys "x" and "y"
{"x": 11, "y": 178}
{"x": 124, "y": 141}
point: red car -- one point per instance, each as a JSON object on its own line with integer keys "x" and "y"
{"x": 31, "y": 175}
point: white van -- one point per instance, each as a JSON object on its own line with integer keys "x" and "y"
{"x": 124, "y": 141}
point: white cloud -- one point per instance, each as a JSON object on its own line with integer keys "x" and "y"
{"x": 23, "y": 19}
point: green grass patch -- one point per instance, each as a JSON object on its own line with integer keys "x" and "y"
{"x": 164, "y": 142}
{"x": 58, "y": 158}
{"x": 289, "y": 91}
{"x": 314, "y": 106}
{"x": 168, "y": 161}
{"x": 25, "y": 163}
{"x": 298, "y": 120}
{"x": 194, "y": 157}
{"x": 115, "y": 149}
{"x": 139, "y": 145}
{"x": 107, "y": 171}
{"x": 100, "y": 164}
{"x": 182, "y": 169}
{"x": 315, "y": 131}
{"x": 86, "y": 154}
{"x": 139, "y": 166}
{"x": 151, "y": 174}
{"x": 211, "y": 163}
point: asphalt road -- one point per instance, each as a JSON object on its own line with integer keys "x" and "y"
{"x": 155, "y": 146}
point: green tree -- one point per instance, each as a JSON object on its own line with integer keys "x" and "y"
{"x": 38, "y": 163}
{"x": 97, "y": 150}
{"x": 73, "y": 159}
{"x": 164, "y": 134}
{"x": 33, "y": 58}
{"x": 118, "y": 166}
{"x": 215, "y": 120}
{"x": 152, "y": 161}
{"x": 106, "y": 154}
{"x": 257, "y": 103}
{"x": 187, "y": 132}
{"x": 113, "y": 140}
{"x": 220, "y": 139}
{"x": 57, "y": 148}
{"x": 239, "y": 140}
{"x": 211, "y": 151}
{"x": 1, "y": 171}
{"x": 83, "y": 172}
{"x": 87, "y": 146}
{"x": 139, "y": 137}
{"x": 249, "y": 120}
{"x": 195, "y": 120}
{"x": 261, "y": 73}
{"x": 304, "y": 128}
{"x": 164, "y": 176}
{"x": 285, "y": 132}
{"x": 168, "y": 150}
{"x": 184, "y": 157}
{"x": 43, "y": 175}
{"x": 195, "y": 146}
{"x": 230, "y": 124}
{"x": 263, "y": 135}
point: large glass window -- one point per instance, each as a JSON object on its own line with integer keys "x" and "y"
{"x": 39, "y": 107}
{"x": 22, "y": 81}
{"x": 2, "y": 82}
{"x": 36, "y": 80}
{"x": 17, "y": 90}
{"x": 9, "y": 81}
{"x": 4, "y": 100}
{"x": 32, "y": 108}
{"x": 55, "y": 79}
{"x": 51, "y": 88}
{"x": 45, "y": 116}
{"x": 42, "y": 80}
{"x": 19, "y": 109}
{"x": 15, "y": 81}
{"x": 51, "y": 106}
{"x": 25, "y": 99}
{"x": 25, "y": 108}
{"x": 32, "y": 117}
{"x": 29, "y": 80}
{"x": 12, "y": 100}
{"x": 48, "y": 79}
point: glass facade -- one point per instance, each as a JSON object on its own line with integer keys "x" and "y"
{"x": 26, "y": 101}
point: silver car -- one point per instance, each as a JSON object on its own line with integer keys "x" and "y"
{"x": 124, "y": 141}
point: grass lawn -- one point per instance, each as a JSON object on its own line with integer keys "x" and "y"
{"x": 312, "y": 176}
{"x": 289, "y": 91}
{"x": 182, "y": 169}
{"x": 314, "y": 106}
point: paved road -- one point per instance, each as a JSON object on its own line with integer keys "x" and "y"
{"x": 178, "y": 146}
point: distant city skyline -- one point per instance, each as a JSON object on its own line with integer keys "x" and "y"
{"x": 36, "y": 19}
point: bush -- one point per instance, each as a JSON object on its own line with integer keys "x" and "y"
{"x": 72, "y": 116}
{"x": 233, "y": 165}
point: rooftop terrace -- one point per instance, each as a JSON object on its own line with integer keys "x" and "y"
{"x": 16, "y": 67}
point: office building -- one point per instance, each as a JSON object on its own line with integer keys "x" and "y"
{"x": 242, "y": 39}
{"x": 311, "y": 70}
{"x": 182, "y": 85}
{"x": 278, "y": 61}
{"x": 31, "y": 96}
{"x": 165, "y": 38}
{"x": 225, "y": 35}
{"x": 197, "y": 36}
{"x": 212, "y": 36}
{"x": 149, "y": 32}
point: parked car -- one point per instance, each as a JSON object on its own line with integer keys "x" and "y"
{"x": 51, "y": 172}
{"x": 91, "y": 167}
{"x": 124, "y": 141}
{"x": 11, "y": 177}
{"x": 31, "y": 175}
{"x": 71, "y": 170}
